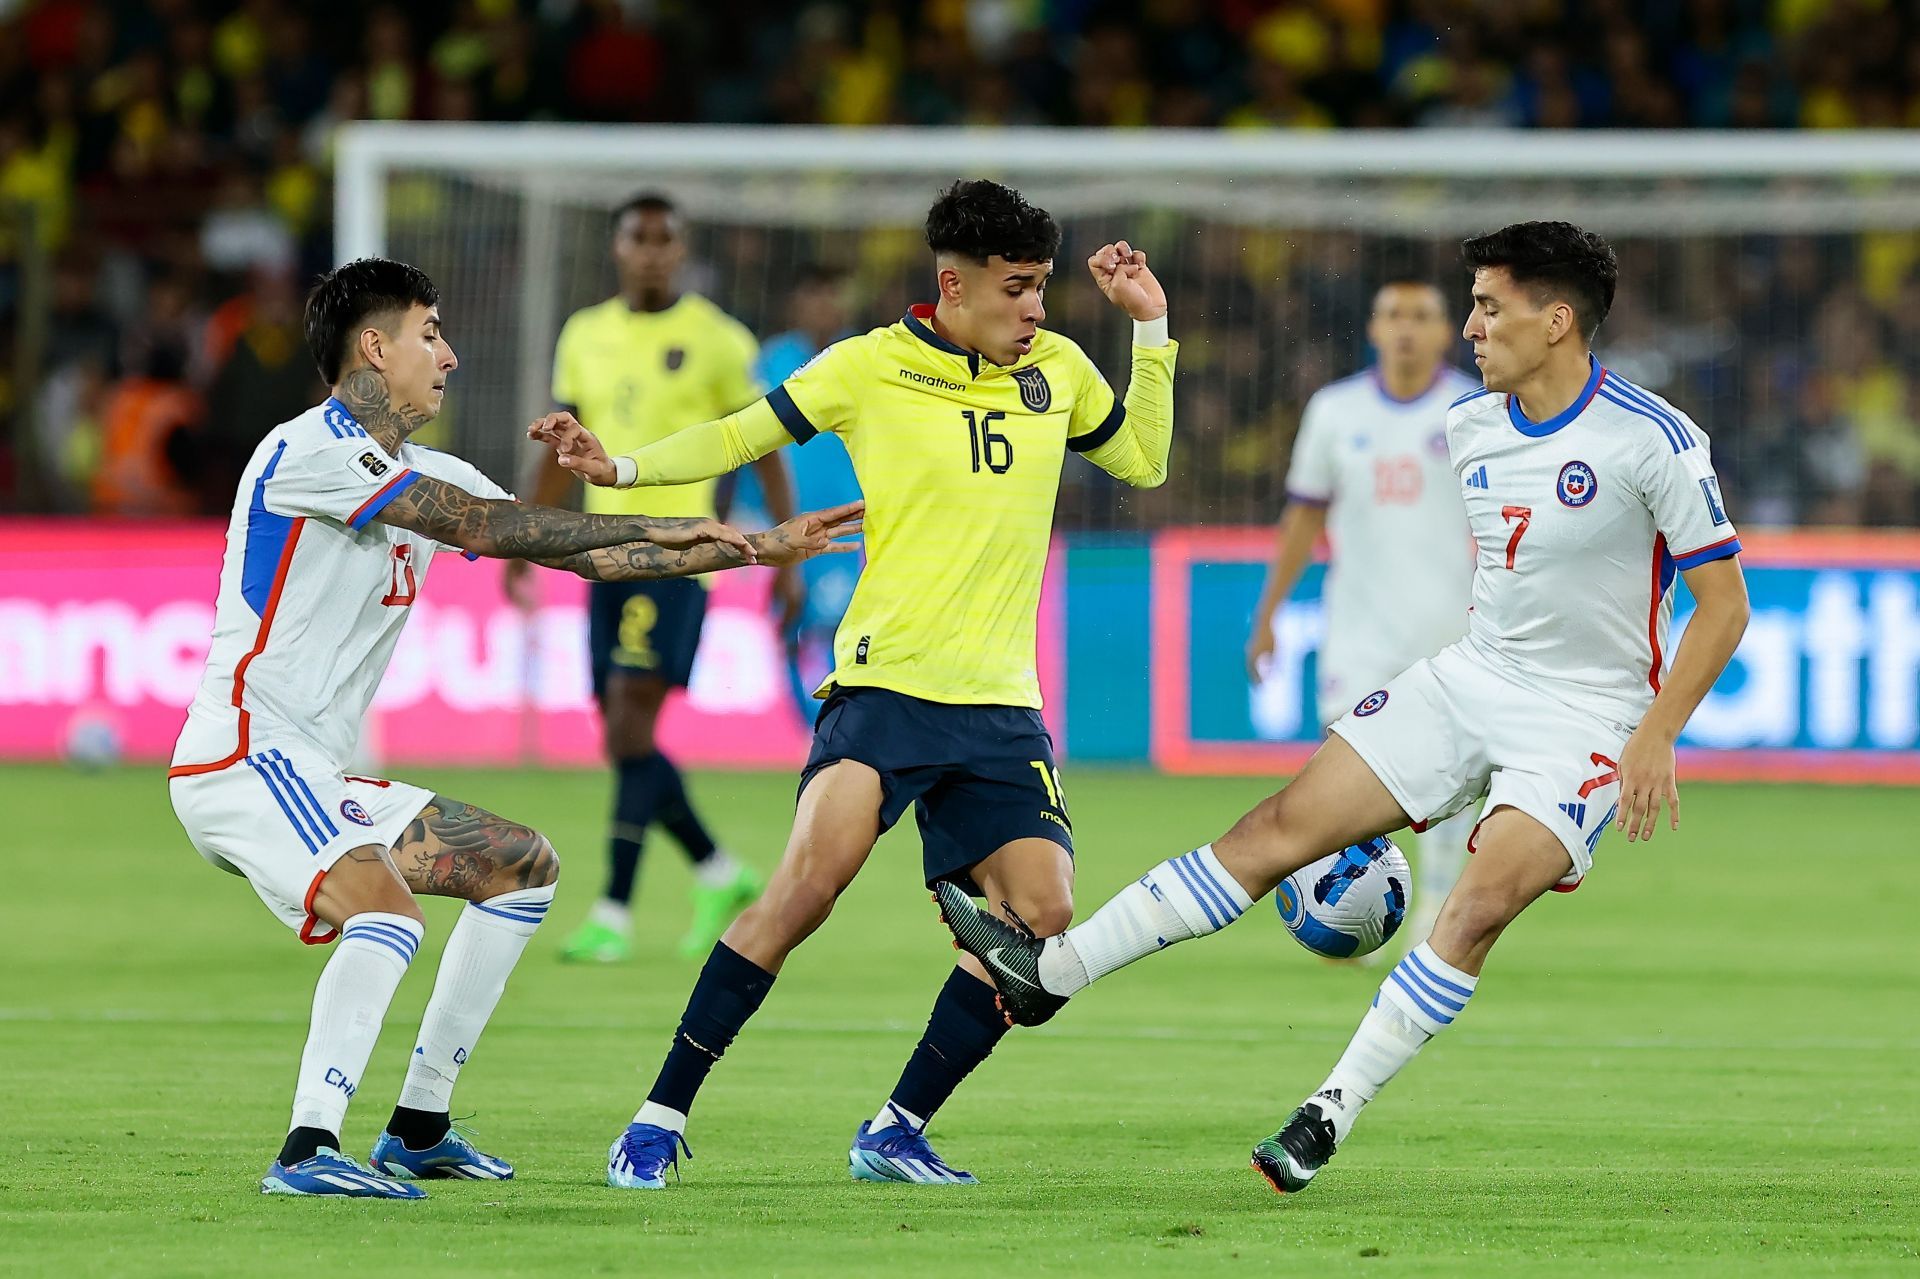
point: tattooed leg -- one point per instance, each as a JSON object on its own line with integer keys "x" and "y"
{"x": 456, "y": 850}
{"x": 506, "y": 872}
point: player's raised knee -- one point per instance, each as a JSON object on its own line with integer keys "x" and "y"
{"x": 544, "y": 872}
{"x": 1473, "y": 916}
{"x": 1047, "y": 916}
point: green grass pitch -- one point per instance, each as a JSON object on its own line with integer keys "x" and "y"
{"x": 1702, "y": 1063}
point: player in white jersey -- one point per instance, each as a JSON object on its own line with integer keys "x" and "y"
{"x": 334, "y": 527}
{"x": 1370, "y": 470}
{"x": 1586, "y": 496}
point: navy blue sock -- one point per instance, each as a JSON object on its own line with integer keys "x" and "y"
{"x": 636, "y": 798}
{"x": 730, "y": 990}
{"x": 676, "y": 812}
{"x": 963, "y": 1029}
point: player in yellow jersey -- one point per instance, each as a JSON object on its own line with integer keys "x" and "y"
{"x": 958, "y": 419}
{"x": 636, "y": 368}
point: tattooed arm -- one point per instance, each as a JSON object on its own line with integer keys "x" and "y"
{"x": 517, "y": 530}
{"x": 800, "y": 538}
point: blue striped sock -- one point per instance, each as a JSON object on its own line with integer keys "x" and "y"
{"x": 1419, "y": 999}
{"x": 480, "y": 955}
{"x": 348, "y": 1002}
{"x": 1183, "y": 897}
{"x": 1429, "y": 990}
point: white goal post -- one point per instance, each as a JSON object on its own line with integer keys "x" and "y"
{"x": 1270, "y": 242}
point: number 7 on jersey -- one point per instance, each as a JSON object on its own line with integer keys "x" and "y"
{"x": 1524, "y": 514}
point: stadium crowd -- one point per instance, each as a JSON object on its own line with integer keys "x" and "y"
{"x": 164, "y": 192}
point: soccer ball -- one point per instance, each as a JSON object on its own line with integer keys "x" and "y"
{"x": 1347, "y": 904}
{"x": 92, "y": 740}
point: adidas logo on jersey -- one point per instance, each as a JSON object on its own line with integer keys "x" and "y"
{"x": 1478, "y": 479}
{"x": 1577, "y": 811}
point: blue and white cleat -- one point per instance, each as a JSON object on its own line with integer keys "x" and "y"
{"x": 641, "y": 1155}
{"x": 899, "y": 1152}
{"x": 329, "y": 1172}
{"x": 452, "y": 1156}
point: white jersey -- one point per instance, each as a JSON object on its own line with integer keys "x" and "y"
{"x": 1402, "y": 566}
{"x": 312, "y": 594}
{"x": 1582, "y": 522}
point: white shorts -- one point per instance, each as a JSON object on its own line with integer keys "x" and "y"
{"x": 1451, "y": 729}
{"x": 283, "y": 816}
{"x": 1339, "y": 683}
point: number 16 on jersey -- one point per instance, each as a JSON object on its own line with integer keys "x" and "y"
{"x": 988, "y": 445}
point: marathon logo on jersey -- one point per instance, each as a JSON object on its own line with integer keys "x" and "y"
{"x": 369, "y": 465}
{"x": 927, "y": 379}
{"x": 1034, "y": 391}
{"x": 353, "y": 812}
{"x": 1371, "y": 703}
{"x": 1577, "y": 484}
{"x": 676, "y": 356}
{"x": 1710, "y": 485}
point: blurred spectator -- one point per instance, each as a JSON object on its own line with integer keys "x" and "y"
{"x": 174, "y": 156}
{"x": 262, "y": 375}
{"x": 142, "y": 420}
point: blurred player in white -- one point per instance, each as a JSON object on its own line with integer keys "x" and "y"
{"x": 1586, "y": 496}
{"x": 1370, "y": 470}
{"x": 335, "y": 524}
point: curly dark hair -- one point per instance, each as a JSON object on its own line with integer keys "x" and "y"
{"x": 348, "y": 296}
{"x": 978, "y": 219}
{"x": 1556, "y": 261}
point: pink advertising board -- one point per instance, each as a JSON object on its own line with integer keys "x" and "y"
{"x": 108, "y": 622}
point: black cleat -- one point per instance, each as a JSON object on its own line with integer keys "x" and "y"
{"x": 1009, "y": 952}
{"x": 1290, "y": 1158}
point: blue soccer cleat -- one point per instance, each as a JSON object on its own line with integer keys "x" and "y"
{"x": 899, "y": 1152}
{"x": 452, "y": 1156}
{"x": 641, "y": 1155}
{"x": 328, "y": 1172}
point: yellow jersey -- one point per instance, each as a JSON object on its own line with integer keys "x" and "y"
{"x": 633, "y": 377}
{"x": 959, "y": 460}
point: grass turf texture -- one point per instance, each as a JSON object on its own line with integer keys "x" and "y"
{"x": 1703, "y": 1062}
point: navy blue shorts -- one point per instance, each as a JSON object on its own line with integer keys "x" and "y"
{"x": 977, "y": 777}
{"x": 644, "y": 628}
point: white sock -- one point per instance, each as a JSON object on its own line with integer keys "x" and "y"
{"x": 1419, "y": 999}
{"x": 892, "y": 1116}
{"x": 484, "y": 947}
{"x": 1187, "y": 896}
{"x": 661, "y": 1117}
{"x": 719, "y": 870}
{"x": 611, "y": 914}
{"x": 348, "y": 1002}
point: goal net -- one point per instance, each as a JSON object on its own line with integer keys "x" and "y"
{"x": 1769, "y": 282}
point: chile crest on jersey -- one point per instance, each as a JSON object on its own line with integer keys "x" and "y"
{"x": 1577, "y": 484}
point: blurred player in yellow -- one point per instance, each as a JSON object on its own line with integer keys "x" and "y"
{"x": 634, "y": 369}
{"x": 958, "y": 419}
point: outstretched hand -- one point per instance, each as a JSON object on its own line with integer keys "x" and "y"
{"x": 679, "y": 534}
{"x": 810, "y": 534}
{"x": 1121, "y": 272}
{"x": 576, "y": 448}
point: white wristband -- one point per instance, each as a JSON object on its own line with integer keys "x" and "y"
{"x": 625, "y": 471}
{"x": 1150, "y": 332}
